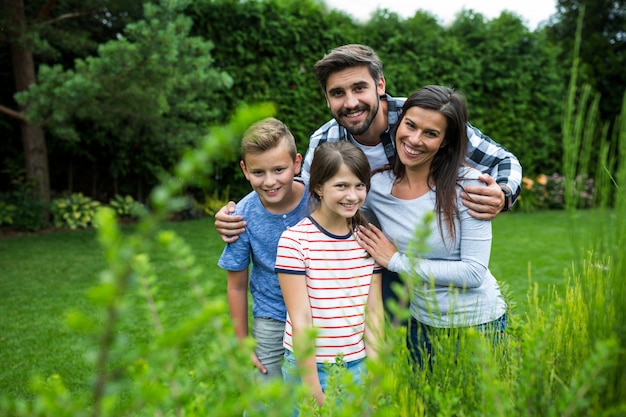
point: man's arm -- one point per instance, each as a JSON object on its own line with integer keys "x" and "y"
{"x": 501, "y": 169}
{"x": 484, "y": 202}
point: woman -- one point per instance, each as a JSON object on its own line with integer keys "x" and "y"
{"x": 456, "y": 288}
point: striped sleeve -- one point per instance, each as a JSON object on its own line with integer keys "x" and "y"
{"x": 289, "y": 255}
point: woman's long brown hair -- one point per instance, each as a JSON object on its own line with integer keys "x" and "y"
{"x": 450, "y": 157}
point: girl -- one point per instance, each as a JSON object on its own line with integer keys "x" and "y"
{"x": 456, "y": 288}
{"x": 328, "y": 281}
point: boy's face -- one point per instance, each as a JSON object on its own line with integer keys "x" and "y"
{"x": 271, "y": 175}
{"x": 354, "y": 97}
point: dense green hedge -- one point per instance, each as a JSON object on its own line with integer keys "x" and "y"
{"x": 510, "y": 75}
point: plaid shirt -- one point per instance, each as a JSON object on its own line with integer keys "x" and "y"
{"x": 483, "y": 153}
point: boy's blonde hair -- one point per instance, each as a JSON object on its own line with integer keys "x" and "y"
{"x": 267, "y": 134}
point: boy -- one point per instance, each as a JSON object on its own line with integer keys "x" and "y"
{"x": 269, "y": 162}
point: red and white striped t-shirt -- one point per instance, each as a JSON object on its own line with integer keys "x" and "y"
{"x": 338, "y": 274}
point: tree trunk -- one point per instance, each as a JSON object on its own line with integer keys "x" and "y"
{"x": 33, "y": 136}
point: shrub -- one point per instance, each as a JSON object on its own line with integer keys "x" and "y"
{"x": 24, "y": 210}
{"x": 126, "y": 206}
{"x": 548, "y": 192}
{"x": 28, "y": 212}
{"x": 7, "y": 212}
{"x": 214, "y": 202}
{"x": 73, "y": 211}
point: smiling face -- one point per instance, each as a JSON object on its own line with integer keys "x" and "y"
{"x": 420, "y": 134}
{"x": 271, "y": 175}
{"x": 354, "y": 98}
{"x": 341, "y": 195}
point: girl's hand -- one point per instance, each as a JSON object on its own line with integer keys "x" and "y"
{"x": 319, "y": 398}
{"x": 373, "y": 240}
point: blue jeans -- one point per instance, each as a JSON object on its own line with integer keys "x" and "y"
{"x": 419, "y": 335}
{"x": 388, "y": 280}
{"x": 290, "y": 373}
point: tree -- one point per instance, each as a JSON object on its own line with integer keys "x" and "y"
{"x": 33, "y": 135}
{"x": 515, "y": 90}
{"x": 411, "y": 49}
{"x": 27, "y": 27}
{"x": 136, "y": 104}
{"x": 603, "y": 47}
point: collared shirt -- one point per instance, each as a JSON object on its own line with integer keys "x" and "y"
{"x": 483, "y": 153}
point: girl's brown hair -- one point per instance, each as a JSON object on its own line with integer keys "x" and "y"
{"x": 327, "y": 160}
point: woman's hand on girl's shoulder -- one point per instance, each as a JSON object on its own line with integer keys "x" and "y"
{"x": 374, "y": 241}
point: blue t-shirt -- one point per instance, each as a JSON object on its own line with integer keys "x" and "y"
{"x": 257, "y": 245}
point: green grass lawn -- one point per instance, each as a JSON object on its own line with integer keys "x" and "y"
{"x": 539, "y": 248}
{"x": 45, "y": 276}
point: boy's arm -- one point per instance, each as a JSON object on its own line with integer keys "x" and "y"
{"x": 298, "y": 306}
{"x": 238, "y": 306}
{"x": 374, "y": 318}
{"x": 238, "y": 302}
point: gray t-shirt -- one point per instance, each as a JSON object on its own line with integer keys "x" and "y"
{"x": 454, "y": 286}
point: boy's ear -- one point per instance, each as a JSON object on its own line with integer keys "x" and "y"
{"x": 297, "y": 164}
{"x": 243, "y": 168}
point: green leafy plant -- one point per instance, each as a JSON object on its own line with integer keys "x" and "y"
{"x": 548, "y": 192}
{"x": 214, "y": 202}
{"x": 126, "y": 206}
{"x": 7, "y": 211}
{"x": 29, "y": 212}
{"x": 73, "y": 211}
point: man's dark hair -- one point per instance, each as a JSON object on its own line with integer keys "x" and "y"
{"x": 348, "y": 56}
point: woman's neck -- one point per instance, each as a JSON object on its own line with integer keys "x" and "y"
{"x": 414, "y": 184}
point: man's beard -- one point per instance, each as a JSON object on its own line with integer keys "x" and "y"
{"x": 358, "y": 130}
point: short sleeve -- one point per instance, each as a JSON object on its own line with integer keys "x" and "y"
{"x": 290, "y": 256}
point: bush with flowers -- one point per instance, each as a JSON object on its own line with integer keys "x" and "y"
{"x": 548, "y": 192}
